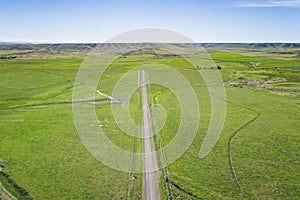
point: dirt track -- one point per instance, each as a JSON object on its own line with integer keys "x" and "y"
{"x": 5, "y": 195}
{"x": 150, "y": 167}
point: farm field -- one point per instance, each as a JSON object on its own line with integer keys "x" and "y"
{"x": 44, "y": 156}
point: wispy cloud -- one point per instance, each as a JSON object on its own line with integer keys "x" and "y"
{"x": 282, "y": 3}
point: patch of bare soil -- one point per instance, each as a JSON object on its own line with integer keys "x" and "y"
{"x": 282, "y": 93}
{"x": 36, "y": 107}
{"x": 4, "y": 195}
{"x": 100, "y": 102}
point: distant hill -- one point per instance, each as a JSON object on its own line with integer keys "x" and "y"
{"x": 115, "y": 46}
{"x": 248, "y": 45}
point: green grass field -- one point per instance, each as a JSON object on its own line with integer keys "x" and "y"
{"x": 44, "y": 155}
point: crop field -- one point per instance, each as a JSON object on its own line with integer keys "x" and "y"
{"x": 256, "y": 157}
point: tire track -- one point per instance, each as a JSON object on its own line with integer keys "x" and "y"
{"x": 103, "y": 102}
{"x": 230, "y": 161}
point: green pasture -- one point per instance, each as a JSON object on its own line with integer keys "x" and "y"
{"x": 44, "y": 155}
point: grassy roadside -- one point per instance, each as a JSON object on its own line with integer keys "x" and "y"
{"x": 11, "y": 189}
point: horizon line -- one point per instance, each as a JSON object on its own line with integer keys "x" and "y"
{"x": 97, "y": 42}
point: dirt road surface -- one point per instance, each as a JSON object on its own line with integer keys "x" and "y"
{"x": 150, "y": 167}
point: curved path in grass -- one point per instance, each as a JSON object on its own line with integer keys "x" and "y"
{"x": 232, "y": 171}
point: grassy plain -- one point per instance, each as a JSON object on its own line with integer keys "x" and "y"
{"x": 43, "y": 154}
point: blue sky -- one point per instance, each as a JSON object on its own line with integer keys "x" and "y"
{"x": 201, "y": 20}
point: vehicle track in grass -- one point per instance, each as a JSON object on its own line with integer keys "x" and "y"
{"x": 45, "y": 105}
{"x": 229, "y": 144}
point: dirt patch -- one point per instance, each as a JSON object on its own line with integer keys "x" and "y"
{"x": 281, "y": 93}
{"x": 37, "y": 107}
{"x": 120, "y": 101}
{"x": 99, "y": 102}
{"x": 4, "y": 196}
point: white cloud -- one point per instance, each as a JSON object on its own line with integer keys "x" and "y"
{"x": 282, "y": 3}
